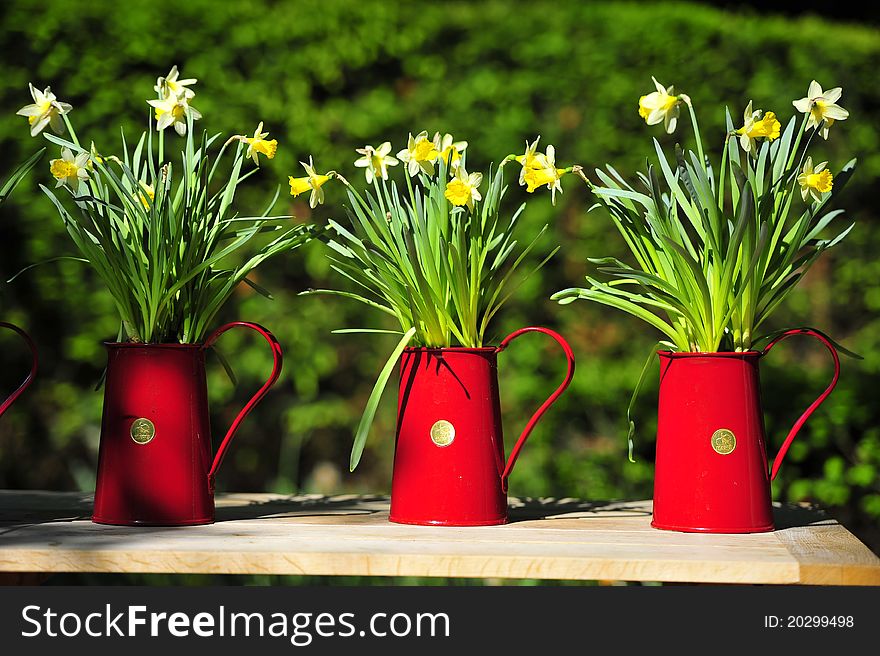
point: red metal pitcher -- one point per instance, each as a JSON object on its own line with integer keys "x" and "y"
{"x": 33, "y": 372}
{"x": 154, "y": 463}
{"x": 711, "y": 472}
{"x": 449, "y": 466}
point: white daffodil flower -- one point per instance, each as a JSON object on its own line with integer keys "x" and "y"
{"x": 45, "y": 110}
{"x": 463, "y": 188}
{"x": 376, "y": 161}
{"x": 821, "y": 107}
{"x": 259, "y": 145}
{"x": 173, "y": 110}
{"x": 420, "y": 153}
{"x": 69, "y": 170}
{"x": 450, "y": 149}
{"x": 662, "y": 106}
{"x": 171, "y": 85}
{"x": 312, "y": 181}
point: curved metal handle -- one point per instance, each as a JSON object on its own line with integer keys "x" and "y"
{"x": 30, "y": 377}
{"x": 777, "y": 461}
{"x": 514, "y": 454}
{"x": 276, "y": 371}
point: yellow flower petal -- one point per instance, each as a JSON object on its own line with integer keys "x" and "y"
{"x": 298, "y": 185}
{"x": 821, "y": 181}
{"x": 264, "y": 147}
{"x": 535, "y": 178}
{"x": 458, "y": 192}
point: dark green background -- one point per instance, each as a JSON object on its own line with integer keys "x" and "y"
{"x": 326, "y": 77}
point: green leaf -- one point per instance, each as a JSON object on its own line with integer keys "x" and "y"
{"x": 631, "y": 424}
{"x": 363, "y": 429}
{"x": 19, "y": 173}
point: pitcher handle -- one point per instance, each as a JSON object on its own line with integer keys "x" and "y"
{"x": 777, "y": 461}
{"x": 276, "y": 371}
{"x": 34, "y": 362}
{"x": 514, "y": 454}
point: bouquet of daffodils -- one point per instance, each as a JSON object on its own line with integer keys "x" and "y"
{"x": 716, "y": 250}
{"x": 159, "y": 227}
{"x": 437, "y": 253}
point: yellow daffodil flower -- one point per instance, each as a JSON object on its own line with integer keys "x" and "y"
{"x": 815, "y": 181}
{"x": 147, "y": 195}
{"x": 544, "y": 172}
{"x": 662, "y": 106}
{"x": 45, "y": 110}
{"x": 259, "y": 145}
{"x": 69, "y": 170}
{"x": 450, "y": 150}
{"x": 531, "y": 159}
{"x": 173, "y": 110}
{"x": 170, "y": 85}
{"x": 376, "y": 161}
{"x": 756, "y": 127}
{"x": 312, "y": 180}
{"x": 821, "y": 107}
{"x": 420, "y": 153}
{"x": 462, "y": 188}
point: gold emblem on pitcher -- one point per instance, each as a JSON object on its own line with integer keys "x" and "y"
{"x": 442, "y": 433}
{"x": 142, "y": 430}
{"x": 723, "y": 441}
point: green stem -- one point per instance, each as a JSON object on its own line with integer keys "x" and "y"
{"x": 697, "y": 136}
{"x": 70, "y": 129}
{"x": 797, "y": 142}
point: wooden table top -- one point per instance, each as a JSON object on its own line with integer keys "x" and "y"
{"x": 351, "y": 535}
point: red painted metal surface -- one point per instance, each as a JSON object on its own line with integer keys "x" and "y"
{"x": 449, "y": 466}
{"x": 704, "y": 480}
{"x": 161, "y": 389}
{"x": 33, "y": 372}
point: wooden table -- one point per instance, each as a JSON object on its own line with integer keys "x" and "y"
{"x": 351, "y": 535}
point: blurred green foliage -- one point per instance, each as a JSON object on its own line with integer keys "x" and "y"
{"x": 326, "y": 77}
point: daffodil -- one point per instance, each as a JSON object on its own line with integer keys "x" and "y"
{"x": 147, "y": 194}
{"x": 376, "y": 161}
{"x": 756, "y": 127}
{"x": 69, "y": 170}
{"x": 544, "y": 172}
{"x": 450, "y": 149}
{"x": 420, "y": 153}
{"x": 462, "y": 189}
{"x": 45, "y": 110}
{"x": 312, "y": 181}
{"x": 171, "y": 85}
{"x": 259, "y": 145}
{"x": 662, "y": 106}
{"x": 174, "y": 110}
{"x": 815, "y": 180}
{"x": 531, "y": 159}
{"x": 821, "y": 107}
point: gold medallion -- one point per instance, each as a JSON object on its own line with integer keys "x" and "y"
{"x": 142, "y": 430}
{"x": 723, "y": 441}
{"x": 442, "y": 433}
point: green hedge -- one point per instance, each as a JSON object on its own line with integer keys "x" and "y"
{"x": 328, "y": 76}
